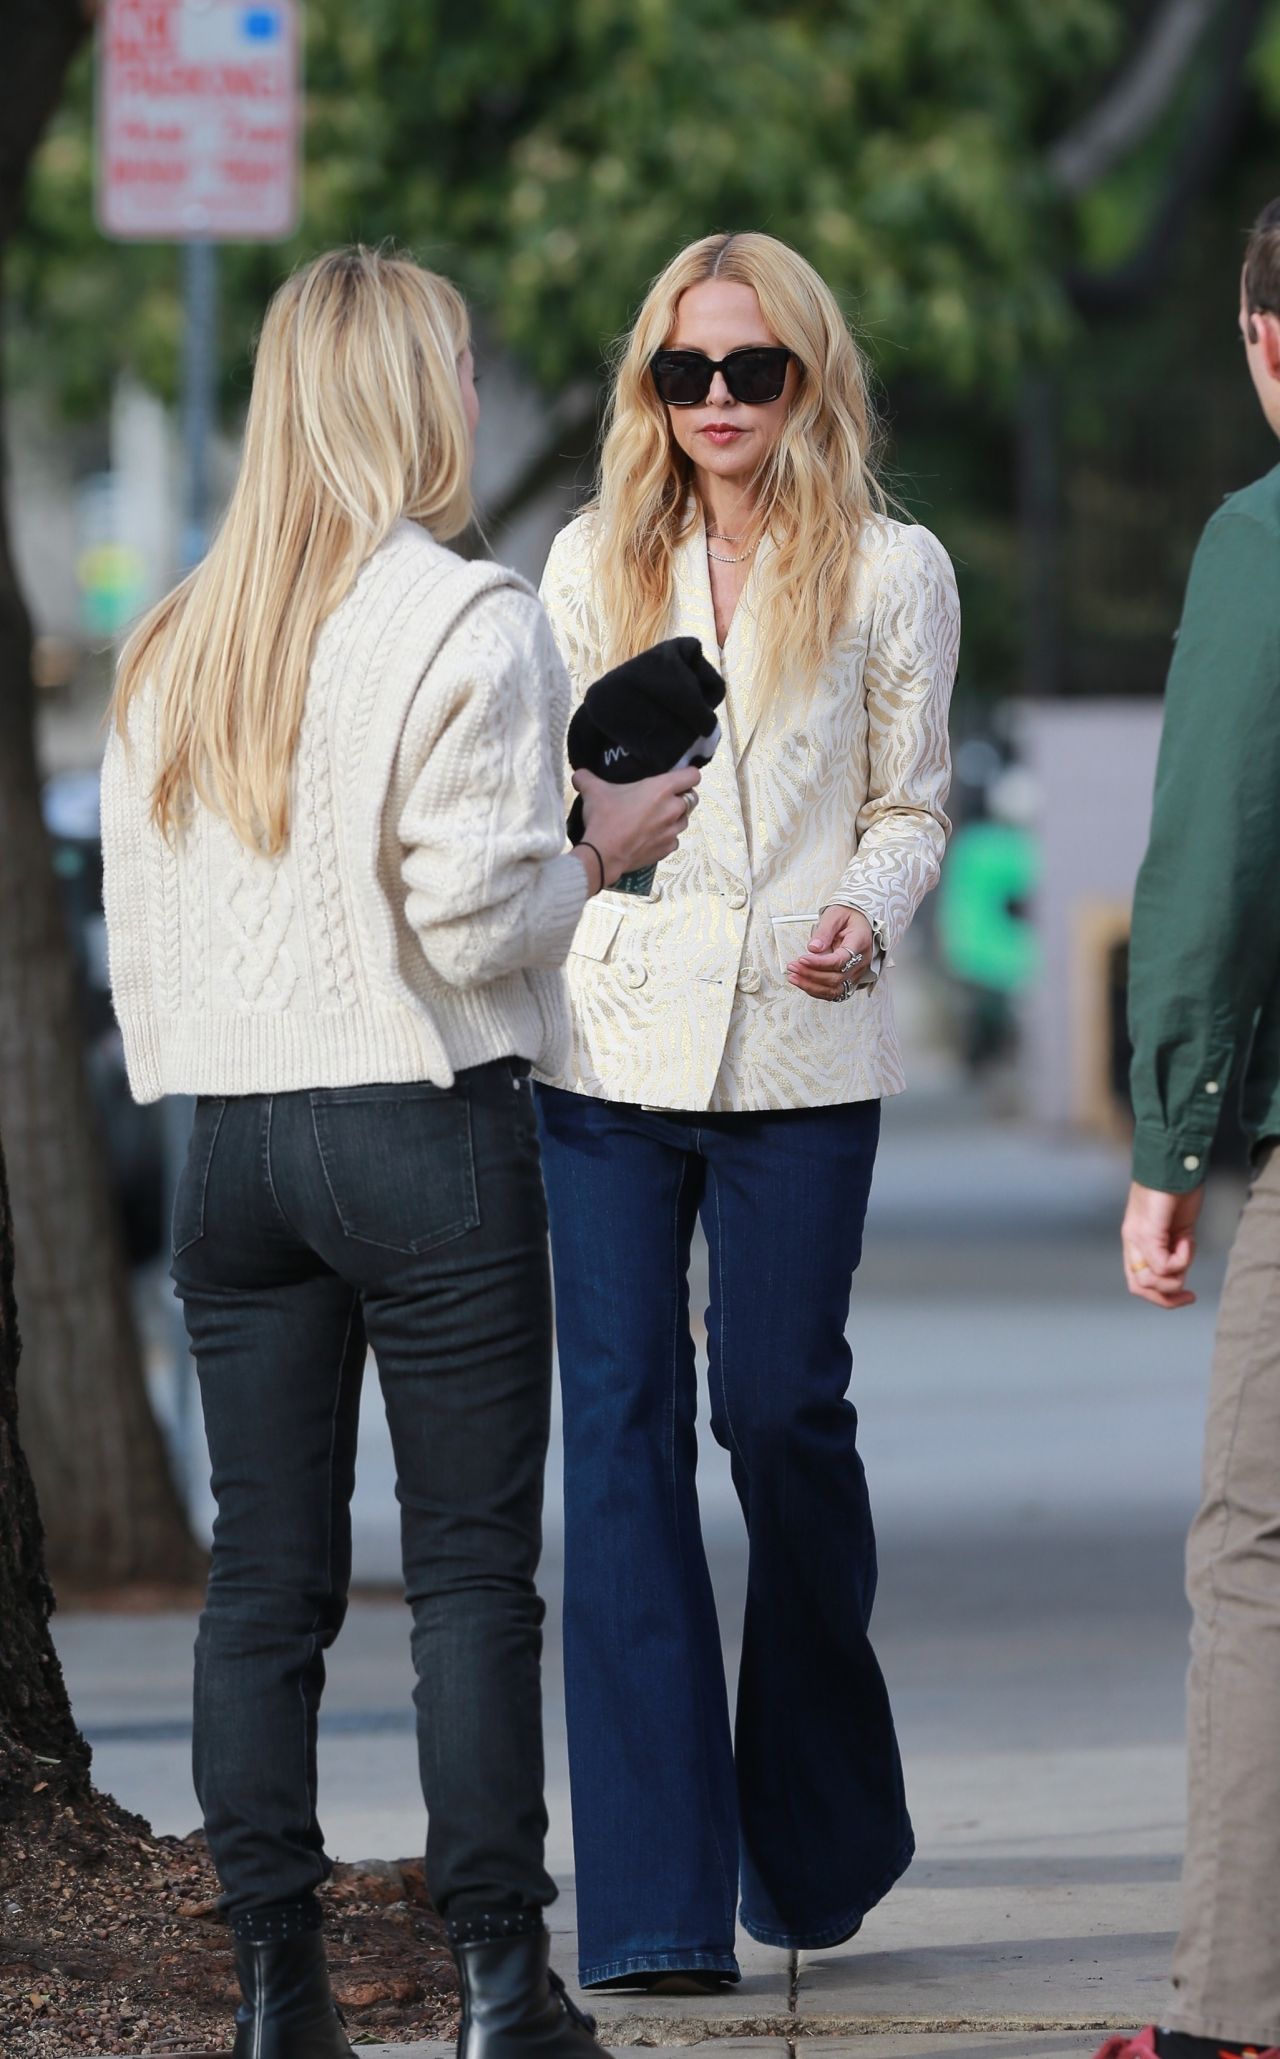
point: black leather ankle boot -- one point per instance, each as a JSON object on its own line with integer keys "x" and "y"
{"x": 288, "y": 2010}
{"x": 513, "y": 2006}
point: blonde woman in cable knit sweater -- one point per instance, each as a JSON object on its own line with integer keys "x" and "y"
{"x": 733, "y": 1036}
{"x": 338, "y": 901}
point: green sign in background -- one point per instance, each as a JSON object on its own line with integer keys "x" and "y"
{"x": 990, "y": 866}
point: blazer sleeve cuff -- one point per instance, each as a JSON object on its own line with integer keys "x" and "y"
{"x": 862, "y": 905}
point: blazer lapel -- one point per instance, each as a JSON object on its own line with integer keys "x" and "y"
{"x": 719, "y": 818}
{"x": 694, "y": 613}
{"x": 738, "y": 660}
{"x": 741, "y": 657}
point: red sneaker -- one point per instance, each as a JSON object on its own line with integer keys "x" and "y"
{"x": 1143, "y": 2046}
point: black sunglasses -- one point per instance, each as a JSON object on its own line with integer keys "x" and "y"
{"x": 754, "y": 375}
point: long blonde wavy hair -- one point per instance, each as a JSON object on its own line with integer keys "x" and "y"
{"x": 818, "y": 487}
{"x": 356, "y": 419}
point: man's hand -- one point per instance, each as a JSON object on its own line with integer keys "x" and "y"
{"x": 1159, "y": 1244}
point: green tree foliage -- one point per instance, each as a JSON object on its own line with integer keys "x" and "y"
{"x": 552, "y": 159}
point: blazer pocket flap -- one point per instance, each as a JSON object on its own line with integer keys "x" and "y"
{"x": 597, "y": 928}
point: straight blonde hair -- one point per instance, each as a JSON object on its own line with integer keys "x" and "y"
{"x": 818, "y": 488}
{"x": 355, "y": 420}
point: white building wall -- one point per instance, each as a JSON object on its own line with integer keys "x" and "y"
{"x": 1093, "y": 763}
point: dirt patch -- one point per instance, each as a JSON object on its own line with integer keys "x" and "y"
{"x": 110, "y": 1941}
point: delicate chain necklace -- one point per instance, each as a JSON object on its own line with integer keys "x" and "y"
{"x": 717, "y": 558}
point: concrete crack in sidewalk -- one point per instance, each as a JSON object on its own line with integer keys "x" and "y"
{"x": 793, "y": 2000}
{"x": 795, "y": 2031}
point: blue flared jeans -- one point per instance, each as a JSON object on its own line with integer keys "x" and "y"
{"x": 801, "y": 1808}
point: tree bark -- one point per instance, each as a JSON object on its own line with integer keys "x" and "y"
{"x": 1201, "y": 148}
{"x": 1136, "y": 100}
{"x": 35, "y": 1715}
{"x": 110, "y": 1508}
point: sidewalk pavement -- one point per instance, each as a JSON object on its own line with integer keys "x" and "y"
{"x": 1032, "y": 1443}
{"x": 986, "y": 2045}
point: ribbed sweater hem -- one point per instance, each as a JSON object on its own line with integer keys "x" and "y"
{"x": 281, "y": 1054}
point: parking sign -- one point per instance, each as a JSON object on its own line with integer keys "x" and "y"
{"x": 198, "y": 120}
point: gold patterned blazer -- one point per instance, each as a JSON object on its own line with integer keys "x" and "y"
{"x": 682, "y": 1001}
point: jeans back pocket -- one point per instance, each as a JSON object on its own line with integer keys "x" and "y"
{"x": 398, "y": 1163}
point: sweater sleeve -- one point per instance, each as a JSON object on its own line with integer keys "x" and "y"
{"x": 1206, "y": 918}
{"x": 910, "y": 668}
{"x": 490, "y": 887}
{"x": 128, "y": 843}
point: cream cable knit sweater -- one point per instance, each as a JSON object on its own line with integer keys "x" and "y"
{"x": 417, "y": 922}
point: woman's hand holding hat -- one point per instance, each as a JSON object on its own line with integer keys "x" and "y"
{"x": 634, "y": 826}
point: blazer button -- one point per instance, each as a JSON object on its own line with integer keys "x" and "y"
{"x": 635, "y": 975}
{"x": 737, "y": 896}
{"x": 748, "y": 980}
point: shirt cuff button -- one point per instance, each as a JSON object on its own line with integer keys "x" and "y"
{"x": 1191, "y": 1163}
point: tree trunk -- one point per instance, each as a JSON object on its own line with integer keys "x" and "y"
{"x": 35, "y": 1715}
{"x": 1205, "y": 138}
{"x": 1134, "y": 103}
{"x": 110, "y": 1508}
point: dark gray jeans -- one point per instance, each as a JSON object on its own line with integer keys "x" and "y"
{"x": 305, "y": 1224}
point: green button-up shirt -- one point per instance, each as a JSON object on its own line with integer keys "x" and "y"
{"x": 1204, "y": 966}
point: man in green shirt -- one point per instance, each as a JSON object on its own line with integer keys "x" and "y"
{"x": 1205, "y": 1020}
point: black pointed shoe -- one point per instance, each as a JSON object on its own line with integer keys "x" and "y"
{"x": 288, "y": 2011}
{"x": 513, "y": 2005}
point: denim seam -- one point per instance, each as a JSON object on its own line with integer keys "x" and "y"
{"x": 324, "y": 1169}
{"x": 843, "y": 1927}
{"x": 728, "y": 1888}
{"x": 721, "y": 1354}
{"x": 175, "y": 1249}
{"x": 268, "y": 1114}
{"x": 312, "y": 1633}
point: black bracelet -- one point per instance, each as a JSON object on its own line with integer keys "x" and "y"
{"x": 583, "y": 845}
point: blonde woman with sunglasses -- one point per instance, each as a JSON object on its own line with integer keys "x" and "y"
{"x": 732, "y": 1038}
{"x": 338, "y": 902}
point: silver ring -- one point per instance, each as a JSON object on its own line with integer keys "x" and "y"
{"x": 854, "y": 958}
{"x": 691, "y": 800}
{"x": 846, "y": 988}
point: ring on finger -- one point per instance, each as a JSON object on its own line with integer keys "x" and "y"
{"x": 691, "y": 800}
{"x": 854, "y": 958}
{"x": 846, "y": 988}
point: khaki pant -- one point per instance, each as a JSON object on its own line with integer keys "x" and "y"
{"x": 1226, "y": 1970}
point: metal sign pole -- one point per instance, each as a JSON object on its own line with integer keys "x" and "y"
{"x": 199, "y": 391}
{"x": 199, "y": 131}
{"x": 199, "y": 414}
